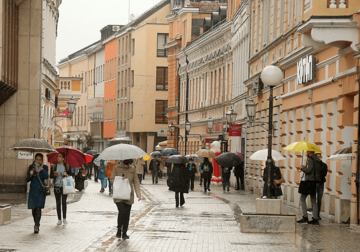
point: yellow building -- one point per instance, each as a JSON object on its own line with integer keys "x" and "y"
{"x": 317, "y": 100}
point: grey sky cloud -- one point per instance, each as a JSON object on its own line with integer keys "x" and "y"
{"x": 81, "y": 21}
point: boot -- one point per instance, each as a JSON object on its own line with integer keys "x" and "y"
{"x": 313, "y": 222}
{"x": 228, "y": 189}
{"x": 125, "y": 228}
{"x": 303, "y": 220}
{"x": 36, "y": 229}
{"x": 118, "y": 233}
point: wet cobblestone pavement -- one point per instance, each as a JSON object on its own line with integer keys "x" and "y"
{"x": 207, "y": 222}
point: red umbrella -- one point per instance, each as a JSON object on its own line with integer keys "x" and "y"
{"x": 89, "y": 158}
{"x": 73, "y": 156}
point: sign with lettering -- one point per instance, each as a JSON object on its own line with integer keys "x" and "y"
{"x": 306, "y": 70}
{"x": 162, "y": 132}
{"x": 64, "y": 114}
{"x": 235, "y": 130}
{"x": 95, "y": 106}
{"x": 25, "y": 155}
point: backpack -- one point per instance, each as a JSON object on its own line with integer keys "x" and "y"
{"x": 323, "y": 170}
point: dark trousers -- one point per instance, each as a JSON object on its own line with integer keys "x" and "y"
{"x": 60, "y": 200}
{"x": 89, "y": 172}
{"x": 238, "y": 178}
{"x": 182, "y": 200}
{"x": 96, "y": 173}
{"x": 155, "y": 177}
{"x": 201, "y": 179}
{"x": 191, "y": 184}
{"x": 145, "y": 171}
{"x": 207, "y": 183}
{"x": 140, "y": 177}
{"x": 36, "y": 213}
{"x": 123, "y": 217}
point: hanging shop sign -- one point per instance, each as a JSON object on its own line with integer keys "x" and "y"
{"x": 235, "y": 130}
{"x": 95, "y": 106}
{"x": 306, "y": 70}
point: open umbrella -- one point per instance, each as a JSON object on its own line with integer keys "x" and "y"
{"x": 146, "y": 157}
{"x": 156, "y": 154}
{"x": 122, "y": 152}
{"x": 261, "y": 155}
{"x": 195, "y": 158}
{"x": 73, "y": 156}
{"x": 342, "y": 154}
{"x": 176, "y": 159}
{"x": 240, "y": 155}
{"x": 228, "y": 159}
{"x": 206, "y": 153}
{"x": 88, "y": 158}
{"x": 33, "y": 145}
{"x": 302, "y": 146}
{"x": 169, "y": 151}
{"x": 91, "y": 152}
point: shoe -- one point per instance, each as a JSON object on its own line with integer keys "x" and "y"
{"x": 303, "y": 220}
{"x": 237, "y": 189}
{"x": 200, "y": 184}
{"x": 228, "y": 189}
{"x": 118, "y": 235}
{"x": 313, "y": 222}
{"x": 59, "y": 222}
{"x": 125, "y": 237}
{"x": 209, "y": 189}
{"x": 205, "y": 190}
{"x": 319, "y": 218}
{"x": 36, "y": 229}
{"x": 102, "y": 190}
{"x": 64, "y": 221}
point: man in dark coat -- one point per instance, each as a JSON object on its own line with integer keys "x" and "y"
{"x": 179, "y": 182}
{"x": 206, "y": 170}
{"x": 239, "y": 174}
{"x": 191, "y": 167}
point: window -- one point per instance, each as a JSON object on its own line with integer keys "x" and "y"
{"x": 132, "y": 78}
{"x": 160, "y": 115}
{"x": 162, "y": 39}
{"x": 131, "y": 110}
{"x": 133, "y": 46}
{"x": 161, "y": 78}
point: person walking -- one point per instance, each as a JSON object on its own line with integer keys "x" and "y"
{"x": 101, "y": 175}
{"x": 139, "y": 164}
{"x": 226, "y": 177}
{"x": 312, "y": 173}
{"x": 191, "y": 167}
{"x": 207, "y": 170}
{"x": 239, "y": 174}
{"x": 36, "y": 175}
{"x": 89, "y": 168}
{"x": 80, "y": 178}
{"x": 201, "y": 176}
{"x": 126, "y": 171}
{"x": 179, "y": 183}
{"x": 58, "y": 172}
{"x": 96, "y": 172}
{"x": 108, "y": 171}
{"x": 154, "y": 168}
{"x": 320, "y": 190}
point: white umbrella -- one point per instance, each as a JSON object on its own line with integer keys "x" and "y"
{"x": 342, "y": 154}
{"x": 122, "y": 152}
{"x": 261, "y": 155}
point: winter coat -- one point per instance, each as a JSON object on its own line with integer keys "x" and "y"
{"x": 80, "y": 179}
{"x": 154, "y": 168}
{"x": 179, "y": 179}
{"x": 239, "y": 169}
{"x": 226, "y": 171}
{"x": 207, "y": 173}
{"x": 36, "y": 197}
{"x": 276, "y": 191}
{"x": 109, "y": 168}
{"x": 312, "y": 164}
{"x": 102, "y": 170}
{"x": 139, "y": 165}
{"x": 193, "y": 170}
{"x": 130, "y": 174}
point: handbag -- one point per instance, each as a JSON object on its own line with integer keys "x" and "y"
{"x": 45, "y": 189}
{"x": 68, "y": 185}
{"x": 121, "y": 189}
{"x": 307, "y": 187}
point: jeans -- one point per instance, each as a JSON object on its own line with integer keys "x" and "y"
{"x": 36, "y": 213}
{"x": 313, "y": 203}
{"x": 182, "y": 200}
{"x": 207, "y": 183}
{"x": 123, "y": 217}
{"x": 319, "y": 193}
{"x": 225, "y": 182}
{"x": 140, "y": 177}
{"x": 60, "y": 201}
{"x": 155, "y": 177}
{"x": 89, "y": 172}
{"x": 110, "y": 186}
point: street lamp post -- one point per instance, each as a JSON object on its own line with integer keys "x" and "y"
{"x": 171, "y": 128}
{"x": 271, "y": 76}
{"x": 187, "y": 130}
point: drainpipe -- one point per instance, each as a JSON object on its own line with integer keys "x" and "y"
{"x": 357, "y": 181}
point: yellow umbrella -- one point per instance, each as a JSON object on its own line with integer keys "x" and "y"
{"x": 146, "y": 157}
{"x": 302, "y": 146}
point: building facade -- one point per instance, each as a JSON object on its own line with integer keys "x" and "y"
{"x": 27, "y": 97}
{"x": 317, "y": 100}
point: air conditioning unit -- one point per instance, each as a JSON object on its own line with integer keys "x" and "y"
{"x": 116, "y": 28}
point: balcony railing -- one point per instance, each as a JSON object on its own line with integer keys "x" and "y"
{"x": 161, "y": 52}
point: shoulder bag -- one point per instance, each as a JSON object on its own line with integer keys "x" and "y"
{"x": 45, "y": 189}
{"x": 307, "y": 187}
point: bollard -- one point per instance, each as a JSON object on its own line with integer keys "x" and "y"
{"x": 5, "y": 214}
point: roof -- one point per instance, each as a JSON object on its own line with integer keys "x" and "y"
{"x": 207, "y": 6}
{"x": 86, "y": 50}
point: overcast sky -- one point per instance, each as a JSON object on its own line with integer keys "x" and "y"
{"x": 81, "y": 21}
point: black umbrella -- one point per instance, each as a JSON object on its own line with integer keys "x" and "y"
{"x": 228, "y": 159}
{"x": 156, "y": 154}
{"x": 169, "y": 151}
{"x": 92, "y": 152}
{"x": 176, "y": 159}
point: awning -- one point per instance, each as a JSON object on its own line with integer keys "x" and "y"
{"x": 158, "y": 147}
{"x": 163, "y": 143}
{"x": 123, "y": 139}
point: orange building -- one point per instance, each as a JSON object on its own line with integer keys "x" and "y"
{"x": 110, "y": 72}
